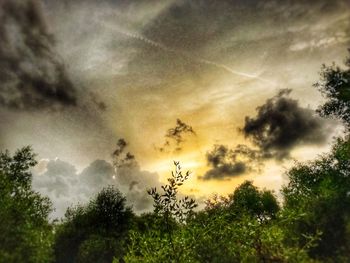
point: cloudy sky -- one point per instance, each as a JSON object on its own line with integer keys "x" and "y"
{"x": 224, "y": 87}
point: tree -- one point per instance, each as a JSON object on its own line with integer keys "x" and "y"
{"x": 319, "y": 191}
{"x": 163, "y": 241}
{"x": 335, "y": 86}
{"x": 97, "y": 232}
{"x": 244, "y": 227}
{"x": 26, "y": 233}
{"x": 247, "y": 198}
{"x": 168, "y": 204}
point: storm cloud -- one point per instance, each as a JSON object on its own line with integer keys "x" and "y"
{"x": 225, "y": 162}
{"x": 281, "y": 124}
{"x": 31, "y": 72}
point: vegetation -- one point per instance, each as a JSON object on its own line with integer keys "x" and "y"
{"x": 95, "y": 233}
{"x": 25, "y": 233}
{"x": 311, "y": 224}
{"x": 335, "y": 86}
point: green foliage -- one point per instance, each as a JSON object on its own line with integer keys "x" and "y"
{"x": 246, "y": 227}
{"x": 335, "y": 86}
{"x": 168, "y": 204}
{"x": 247, "y": 198}
{"x": 160, "y": 244}
{"x": 320, "y": 191}
{"x": 97, "y": 232}
{"x": 313, "y": 225}
{"x": 219, "y": 238}
{"x": 98, "y": 249}
{"x": 26, "y": 234}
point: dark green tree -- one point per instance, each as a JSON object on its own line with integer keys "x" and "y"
{"x": 248, "y": 199}
{"x": 245, "y": 227}
{"x": 241, "y": 228}
{"x": 335, "y": 86}
{"x": 25, "y": 232}
{"x": 320, "y": 192}
{"x": 97, "y": 232}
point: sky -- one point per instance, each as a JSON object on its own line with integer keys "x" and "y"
{"x": 112, "y": 92}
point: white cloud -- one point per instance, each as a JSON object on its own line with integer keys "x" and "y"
{"x": 61, "y": 182}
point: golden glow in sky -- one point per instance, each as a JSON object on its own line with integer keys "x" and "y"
{"x": 132, "y": 68}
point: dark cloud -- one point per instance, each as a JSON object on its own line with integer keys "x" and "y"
{"x": 281, "y": 124}
{"x": 32, "y": 74}
{"x": 225, "y": 162}
{"x": 226, "y": 170}
{"x": 175, "y": 137}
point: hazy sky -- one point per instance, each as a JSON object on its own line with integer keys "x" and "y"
{"x": 176, "y": 80}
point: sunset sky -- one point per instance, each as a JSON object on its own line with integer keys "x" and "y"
{"x": 77, "y": 76}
